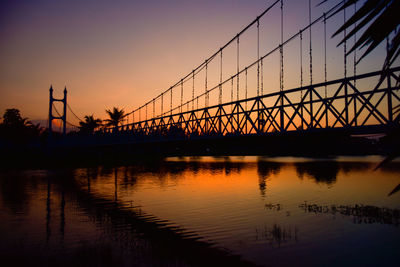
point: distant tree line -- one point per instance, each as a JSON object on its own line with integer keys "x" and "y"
{"x": 18, "y": 130}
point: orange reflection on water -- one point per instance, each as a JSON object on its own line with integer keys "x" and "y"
{"x": 254, "y": 205}
{"x": 202, "y": 180}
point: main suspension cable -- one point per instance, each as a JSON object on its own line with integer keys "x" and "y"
{"x": 273, "y": 51}
{"x": 253, "y": 64}
{"x": 198, "y": 68}
{"x": 54, "y": 106}
{"x": 70, "y": 109}
{"x": 261, "y": 58}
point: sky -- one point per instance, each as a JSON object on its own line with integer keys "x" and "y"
{"x": 123, "y": 53}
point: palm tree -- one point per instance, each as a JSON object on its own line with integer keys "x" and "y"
{"x": 383, "y": 16}
{"x": 89, "y": 125}
{"x": 116, "y": 116}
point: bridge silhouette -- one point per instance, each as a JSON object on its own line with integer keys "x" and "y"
{"x": 221, "y": 97}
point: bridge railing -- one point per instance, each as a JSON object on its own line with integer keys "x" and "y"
{"x": 358, "y": 101}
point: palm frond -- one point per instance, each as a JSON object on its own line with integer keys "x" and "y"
{"x": 116, "y": 116}
{"x": 90, "y": 124}
{"x": 394, "y": 50}
{"x": 369, "y": 9}
{"x": 383, "y": 19}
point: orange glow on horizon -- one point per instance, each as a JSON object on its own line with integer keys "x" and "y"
{"x": 141, "y": 49}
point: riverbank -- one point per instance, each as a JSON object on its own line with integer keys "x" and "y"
{"x": 67, "y": 152}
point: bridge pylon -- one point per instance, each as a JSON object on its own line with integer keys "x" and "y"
{"x": 62, "y": 117}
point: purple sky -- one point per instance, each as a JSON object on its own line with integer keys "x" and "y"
{"x": 124, "y": 52}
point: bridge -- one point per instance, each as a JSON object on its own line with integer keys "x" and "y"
{"x": 223, "y": 97}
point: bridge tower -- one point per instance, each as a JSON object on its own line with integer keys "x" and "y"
{"x": 64, "y": 115}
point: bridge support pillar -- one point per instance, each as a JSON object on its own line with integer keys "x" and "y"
{"x": 62, "y": 117}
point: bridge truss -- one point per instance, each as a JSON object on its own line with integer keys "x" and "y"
{"x": 355, "y": 102}
{"x": 335, "y": 104}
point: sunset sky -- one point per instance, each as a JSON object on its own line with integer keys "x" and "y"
{"x": 123, "y": 53}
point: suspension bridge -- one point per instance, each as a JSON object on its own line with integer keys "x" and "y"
{"x": 262, "y": 84}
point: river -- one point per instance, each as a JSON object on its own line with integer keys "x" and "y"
{"x": 177, "y": 212}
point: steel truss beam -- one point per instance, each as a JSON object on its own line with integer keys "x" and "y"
{"x": 346, "y": 105}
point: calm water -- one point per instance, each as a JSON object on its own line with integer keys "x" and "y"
{"x": 271, "y": 212}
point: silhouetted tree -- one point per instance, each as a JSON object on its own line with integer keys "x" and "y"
{"x": 89, "y": 125}
{"x": 116, "y": 117}
{"x": 16, "y": 129}
{"x": 12, "y": 118}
